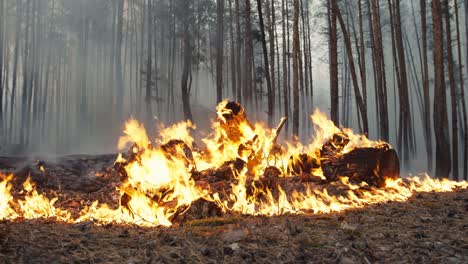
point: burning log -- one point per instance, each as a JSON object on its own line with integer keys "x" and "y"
{"x": 302, "y": 163}
{"x": 232, "y": 119}
{"x": 178, "y": 149}
{"x": 334, "y": 145}
{"x": 372, "y": 165}
{"x": 226, "y": 172}
{"x": 244, "y": 171}
{"x": 278, "y": 129}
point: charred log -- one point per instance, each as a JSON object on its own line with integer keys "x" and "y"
{"x": 371, "y": 165}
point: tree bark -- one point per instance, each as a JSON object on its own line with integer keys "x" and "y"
{"x": 427, "y": 106}
{"x": 440, "y": 101}
{"x": 333, "y": 62}
{"x": 381, "y": 91}
{"x": 453, "y": 92}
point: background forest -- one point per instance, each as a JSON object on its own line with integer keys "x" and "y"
{"x": 71, "y": 72}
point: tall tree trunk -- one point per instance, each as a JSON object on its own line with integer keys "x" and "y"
{"x": 462, "y": 96}
{"x": 357, "y": 93}
{"x": 362, "y": 51}
{"x": 15, "y": 69}
{"x": 379, "y": 61}
{"x": 289, "y": 53}
{"x": 384, "y": 72}
{"x": 1, "y": 64}
{"x": 403, "y": 87}
{"x": 305, "y": 58}
{"x": 397, "y": 76}
{"x": 112, "y": 51}
{"x": 157, "y": 48}
{"x": 173, "y": 63}
{"x": 466, "y": 37}
{"x": 440, "y": 101}
{"x": 187, "y": 66}
{"x": 349, "y": 16}
{"x": 149, "y": 61}
{"x": 248, "y": 91}
{"x": 333, "y": 62}
{"x": 219, "y": 49}
{"x": 233, "y": 52}
{"x": 271, "y": 34}
{"x": 453, "y": 92}
{"x": 26, "y": 75}
{"x": 265, "y": 59}
{"x": 296, "y": 69}
{"x": 35, "y": 82}
{"x": 309, "y": 48}
{"x": 278, "y": 67}
{"x": 427, "y": 106}
{"x": 374, "y": 66}
{"x": 238, "y": 52}
{"x": 285, "y": 66}
{"x": 118, "y": 59}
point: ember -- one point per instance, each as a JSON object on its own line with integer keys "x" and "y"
{"x": 242, "y": 169}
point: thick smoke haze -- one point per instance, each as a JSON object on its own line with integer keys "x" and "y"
{"x": 73, "y": 71}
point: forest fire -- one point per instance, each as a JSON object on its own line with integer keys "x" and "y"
{"x": 242, "y": 169}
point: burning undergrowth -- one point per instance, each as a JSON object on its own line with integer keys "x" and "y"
{"x": 239, "y": 168}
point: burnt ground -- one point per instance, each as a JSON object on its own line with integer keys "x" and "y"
{"x": 429, "y": 228}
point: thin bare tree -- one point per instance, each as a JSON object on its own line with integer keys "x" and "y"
{"x": 333, "y": 62}
{"x": 296, "y": 54}
{"x": 219, "y": 49}
{"x": 461, "y": 95}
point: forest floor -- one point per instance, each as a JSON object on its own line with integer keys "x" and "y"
{"x": 428, "y": 228}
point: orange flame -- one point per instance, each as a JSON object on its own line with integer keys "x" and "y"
{"x": 159, "y": 186}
